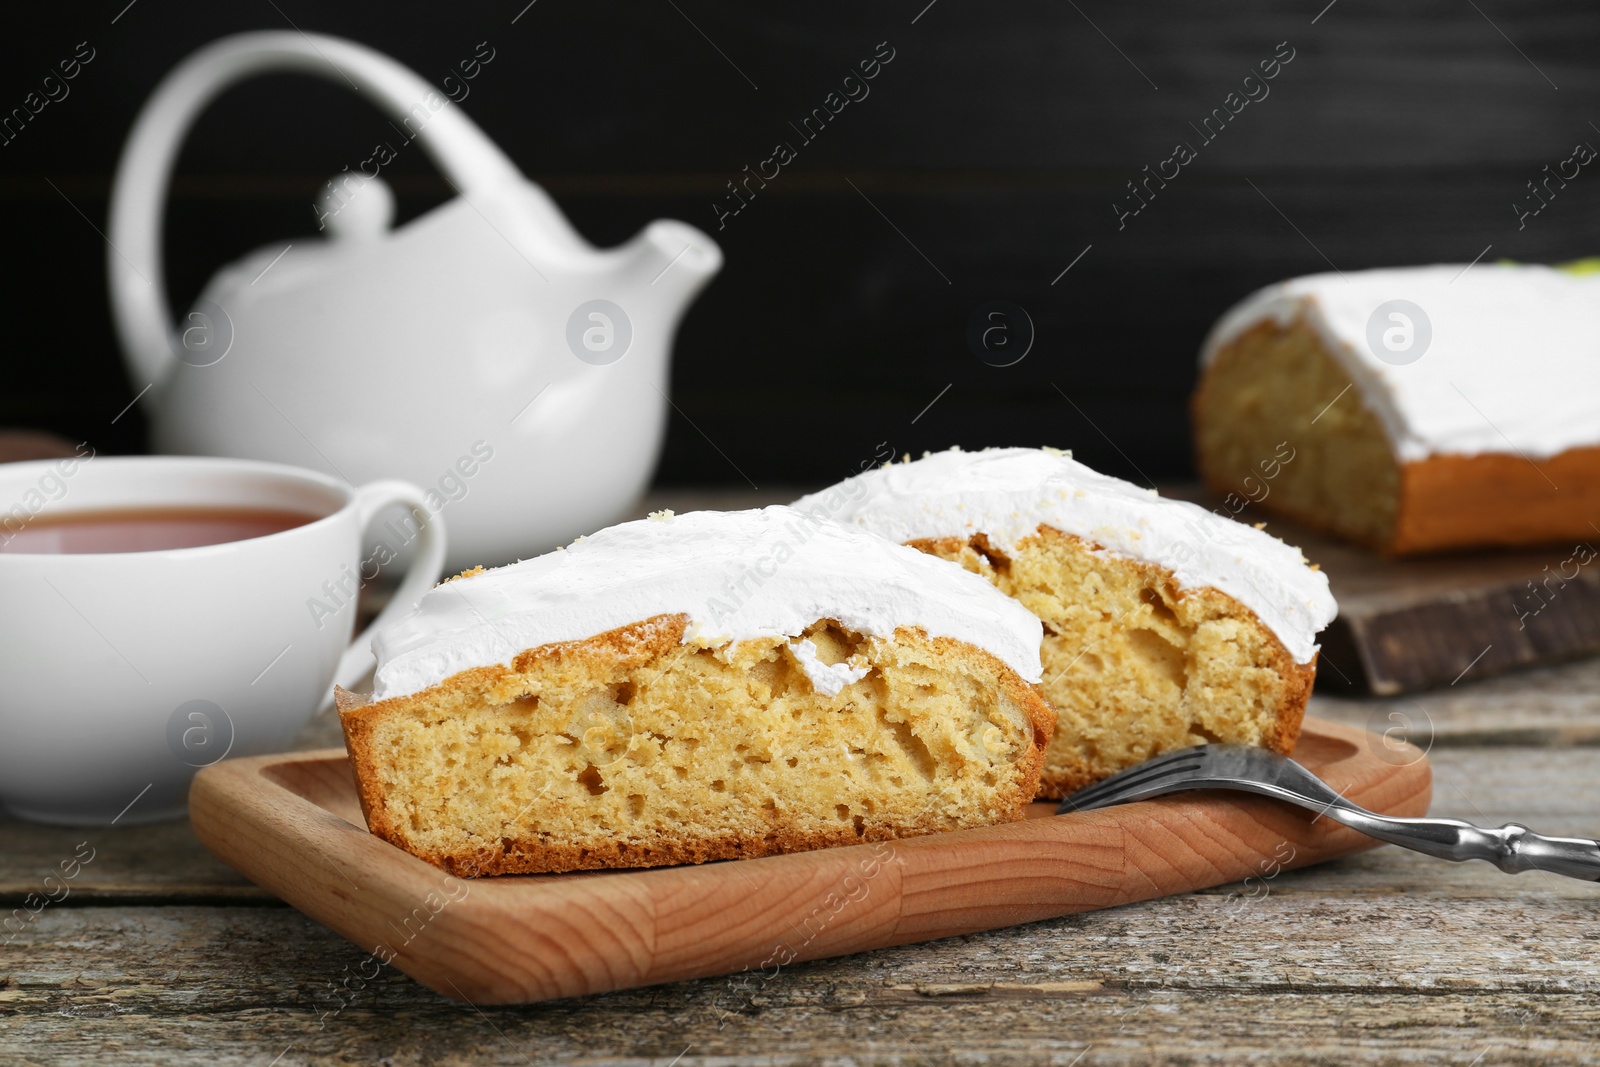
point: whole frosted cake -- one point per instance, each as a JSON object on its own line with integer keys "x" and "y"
{"x": 1164, "y": 625}
{"x": 695, "y": 687}
{"x": 1425, "y": 408}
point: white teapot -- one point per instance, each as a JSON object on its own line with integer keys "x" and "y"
{"x": 483, "y": 351}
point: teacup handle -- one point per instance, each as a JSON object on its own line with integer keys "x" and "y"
{"x": 370, "y": 500}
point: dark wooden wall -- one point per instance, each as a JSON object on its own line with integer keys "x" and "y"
{"x": 996, "y": 141}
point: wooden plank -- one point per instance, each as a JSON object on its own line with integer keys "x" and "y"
{"x": 154, "y": 863}
{"x": 1555, "y": 706}
{"x": 1277, "y": 979}
{"x": 1380, "y": 957}
{"x": 1409, "y": 625}
{"x": 838, "y": 1025}
{"x": 291, "y": 823}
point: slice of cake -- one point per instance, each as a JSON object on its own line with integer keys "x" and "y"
{"x": 1412, "y": 410}
{"x": 1165, "y": 626}
{"x": 697, "y": 687}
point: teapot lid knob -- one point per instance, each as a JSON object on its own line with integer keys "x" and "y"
{"x": 354, "y": 207}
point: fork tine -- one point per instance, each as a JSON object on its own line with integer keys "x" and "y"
{"x": 1174, "y": 766}
{"x": 1135, "y": 775}
{"x": 1125, "y": 791}
{"x": 1139, "y": 775}
{"x": 1108, "y": 792}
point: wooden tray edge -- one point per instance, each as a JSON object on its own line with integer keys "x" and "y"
{"x": 522, "y": 940}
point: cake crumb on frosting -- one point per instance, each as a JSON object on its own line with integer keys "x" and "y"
{"x": 470, "y": 572}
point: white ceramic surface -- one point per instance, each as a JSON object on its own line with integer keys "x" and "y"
{"x": 376, "y": 352}
{"x": 106, "y": 659}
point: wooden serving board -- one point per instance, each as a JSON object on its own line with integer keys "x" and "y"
{"x": 1407, "y": 625}
{"x": 291, "y": 823}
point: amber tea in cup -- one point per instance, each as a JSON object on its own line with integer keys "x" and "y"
{"x": 147, "y": 529}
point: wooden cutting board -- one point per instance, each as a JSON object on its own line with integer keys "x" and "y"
{"x": 291, "y": 823}
{"x": 1414, "y": 624}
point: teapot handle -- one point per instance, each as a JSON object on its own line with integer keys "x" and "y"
{"x": 469, "y": 159}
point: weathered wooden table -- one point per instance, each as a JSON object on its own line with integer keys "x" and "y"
{"x": 159, "y": 954}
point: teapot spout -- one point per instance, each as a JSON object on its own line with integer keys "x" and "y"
{"x": 672, "y": 261}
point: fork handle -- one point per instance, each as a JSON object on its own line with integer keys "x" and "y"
{"x": 1513, "y": 847}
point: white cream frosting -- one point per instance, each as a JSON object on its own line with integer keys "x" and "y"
{"x": 1007, "y": 493}
{"x": 738, "y": 575}
{"x": 1513, "y": 364}
{"x": 829, "y": 679}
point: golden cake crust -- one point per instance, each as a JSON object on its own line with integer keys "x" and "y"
{"x": 632, "y": 646}
{"x": 1495, "y": 499}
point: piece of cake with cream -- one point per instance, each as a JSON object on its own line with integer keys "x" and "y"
{"x": 1164, "y": 624}
{"x": 1427, "y": 408}
{"x": 704, "y": 686}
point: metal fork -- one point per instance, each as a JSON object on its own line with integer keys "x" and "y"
{"x": 1513, "y": 848}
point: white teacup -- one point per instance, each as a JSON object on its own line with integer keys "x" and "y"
{"x": 122, "y": 673}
